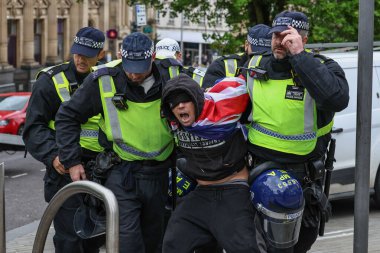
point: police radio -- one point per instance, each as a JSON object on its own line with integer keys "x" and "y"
{"x": 119, "y": 101}
{"x": 73, "y": 87}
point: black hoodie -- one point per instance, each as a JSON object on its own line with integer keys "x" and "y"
{"x": 207, "y": 159}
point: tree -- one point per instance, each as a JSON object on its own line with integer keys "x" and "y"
{"x": 331, "y": 20}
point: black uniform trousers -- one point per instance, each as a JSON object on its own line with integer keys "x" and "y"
{"x": 222, "y": 213}
{"x": 141, "y": 191}
{"x": 65, "y": 239}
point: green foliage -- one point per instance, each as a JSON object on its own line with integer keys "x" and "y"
{"x": 330, "y": 20}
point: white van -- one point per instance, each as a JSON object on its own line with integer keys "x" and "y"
{"x": 344, "y": 131}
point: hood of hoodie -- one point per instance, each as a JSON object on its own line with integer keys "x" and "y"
{"x": 184, "y": 83}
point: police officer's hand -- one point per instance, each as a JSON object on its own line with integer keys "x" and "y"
{"x": 58, "y": 166}
{"x": 77, "y": 173}
{"x": 292, "y": 41}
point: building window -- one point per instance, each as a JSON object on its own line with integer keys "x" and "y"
{"x": 202, "y": 21}
{"x": 171, "y": 18}
{"x": 12, "y": 42}
{"x": 61, "y": 25}
{"x": 37, "y": 39}
{"x": 186, "y": 20}
{"x": 158, "y": 14}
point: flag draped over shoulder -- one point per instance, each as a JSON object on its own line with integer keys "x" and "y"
{"x": 224, "y": 104}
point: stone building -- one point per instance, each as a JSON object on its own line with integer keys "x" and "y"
{"x": 39, "y": 33}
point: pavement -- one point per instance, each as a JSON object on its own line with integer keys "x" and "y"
{"x": 338, "y": 237}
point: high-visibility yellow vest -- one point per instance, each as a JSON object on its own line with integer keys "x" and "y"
{"x": 285, "y": 125}
{"x": 90, "y": 130}
{"x": 173, "y": 70}
{"x": 138, "y": 132}
{"x": 231, "y": 64}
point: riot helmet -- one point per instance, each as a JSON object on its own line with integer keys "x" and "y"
{"x": 184, "y": 184}
{"x": 278, "y": 198}
{"x": 90, "y": 218}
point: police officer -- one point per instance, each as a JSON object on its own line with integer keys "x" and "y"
{"x": 294, "y": 96}
{"x": 55, "y": 85}
{"x": 168, "y": 58}
{"x": 127, "y": 94}
{"x": 169, "y": 61}
{"x": 258, "y": 42}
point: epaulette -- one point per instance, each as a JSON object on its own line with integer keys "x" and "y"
{"x": 196, "y": 71}
{"x": 322, "y": 57}
{"x": 232, "y": 56}
{"x": 53, "y": 70}
{"x": 169, "y": 62}
{"x": 100, "y": 72}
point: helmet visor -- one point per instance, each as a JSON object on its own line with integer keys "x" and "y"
{"x": 280, "y": 233}
{"x": 89, "y": 222}
{"x": 281, "y": 229}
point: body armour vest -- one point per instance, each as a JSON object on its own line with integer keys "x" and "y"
{"x": 138, "y": 132}
{"x": 284, "y": 115}
{"x": 90, "y": 130}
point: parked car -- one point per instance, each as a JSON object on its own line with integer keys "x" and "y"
{"x": 344, "y": 131}
{"x": 13, "y": 112}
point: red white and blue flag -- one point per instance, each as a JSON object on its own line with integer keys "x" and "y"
{"x": 224, "y": 104}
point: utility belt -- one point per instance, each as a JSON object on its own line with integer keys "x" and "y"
{"x": 310, "y": 171}
{"x": 97, "y": 170}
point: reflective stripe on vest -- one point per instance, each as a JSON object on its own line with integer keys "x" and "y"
{"x": 285, "y": 125}
{"x": 155, "y": 142}
{"x": 89, "y": 130}
{"x": 230, "y": 66}
{"x": 173, "y": 71}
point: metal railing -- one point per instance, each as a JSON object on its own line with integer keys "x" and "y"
{"x": 99, "y": 191}
{"x": 2, "y": 209}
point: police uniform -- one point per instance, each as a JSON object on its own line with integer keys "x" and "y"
{"x": 49, "y": 91}
{"x": 168, "y": 67}
{"x": 138, "y": 135}
{"x": 293, "y": 106}
{"x": 224, "y": 66}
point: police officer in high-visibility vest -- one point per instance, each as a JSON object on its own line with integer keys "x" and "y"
{"x": 55, "y": 85}
{"x": 169, "y": 61}
{"x": 258, "y": 42}
{"x": 127, "y": 94}
{"x": 294, "y": 96}
{"x": 168, "y": 58}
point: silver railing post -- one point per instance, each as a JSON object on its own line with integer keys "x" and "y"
{"x": 99, "y": 191}
{"x": 2, "y": 210}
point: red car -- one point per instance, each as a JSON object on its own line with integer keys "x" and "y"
{"x": 13, "y": 111}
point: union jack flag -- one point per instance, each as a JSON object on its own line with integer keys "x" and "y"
{"x": 224, "y": 104}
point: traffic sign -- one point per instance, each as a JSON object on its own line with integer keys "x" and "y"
{"x": 140, "y": 15}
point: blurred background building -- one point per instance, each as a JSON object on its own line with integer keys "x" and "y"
{"x": 39, "y": 33}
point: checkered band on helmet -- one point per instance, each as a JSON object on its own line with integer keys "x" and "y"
{"x": 88, "y": 42}
{"x": 285, "y": 21}
{"x": 141, "y": 55}
{"x": 261, "y": 42}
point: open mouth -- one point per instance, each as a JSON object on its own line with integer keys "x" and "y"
{"x": 184, "y": 116}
